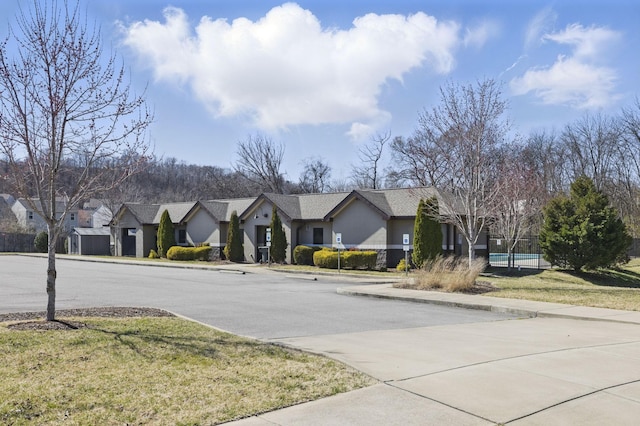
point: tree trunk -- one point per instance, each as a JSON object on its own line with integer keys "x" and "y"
{"x": 51, "y": 275}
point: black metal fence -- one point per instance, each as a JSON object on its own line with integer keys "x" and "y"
{"x": 525, "y": 254}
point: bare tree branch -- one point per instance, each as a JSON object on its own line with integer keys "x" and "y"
{"x": 259, "y": 161}
{"x": 67, "y": 113}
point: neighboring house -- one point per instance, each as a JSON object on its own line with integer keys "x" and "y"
{"x": 302, "y": 218}
{"x": 7, "y": 218}
{"x": 29, "y": 218}
{"x": 94, "y": 214}
{"x": 365, "y": 219}
{"x": 208, "y": 222}
{"x": 90, "y": 241}
{"x": 134, "y": 227}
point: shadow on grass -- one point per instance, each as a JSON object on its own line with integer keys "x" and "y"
{"x": 513, "y": 272}
{"x": 145, "y": 343}
{"x": 623, "y": 278}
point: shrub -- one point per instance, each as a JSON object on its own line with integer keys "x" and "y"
{"x": 427, "y": 232}
{"x": 41, "y": 242}
{"x": 402, "y": 266}
{"x": 359, "y": 259}
{"x": 583, "y": 231}
{"x": 278, "y": 238}
{"x": 326, "y": 258}
{"x": 153, "y": 254}
{"x": 449, "y": 273}
{"x": 189, "y": 253}
{"x": 166, "y": 234}
{"x": 233, "y": 251}
{"x": 303, "y": 255}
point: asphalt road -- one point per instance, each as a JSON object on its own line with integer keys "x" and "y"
{"x": 260, "y": 305}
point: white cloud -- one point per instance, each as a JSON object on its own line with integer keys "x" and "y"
{"x": 580, "y": 79}
{"x": 285, "y": 69}
{"x": 478, "y": 35}
{"x": 540, "y": 24}
{"x": 589, "y": 43}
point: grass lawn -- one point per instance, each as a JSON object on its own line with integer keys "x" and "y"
{"x": 616, "y": 289}
{"x": 154, "y": 371}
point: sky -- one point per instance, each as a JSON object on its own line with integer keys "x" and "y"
{"x": 325, "y": 77}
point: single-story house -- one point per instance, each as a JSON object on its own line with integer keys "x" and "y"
{"x": 365, "y": 220}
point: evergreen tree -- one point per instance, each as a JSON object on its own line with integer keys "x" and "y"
{"x": 427, "y": 232}
{"x": 233, "y": 250}
{"x": 166, "y": 234}
{"x": 278, "y": 238}
{"x": 583, "y": 231}
{"x": 41, "y": 242}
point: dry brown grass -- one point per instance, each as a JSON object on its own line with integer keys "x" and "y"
{"x": 452, "y": 274}
{"x": 159, "y": 371}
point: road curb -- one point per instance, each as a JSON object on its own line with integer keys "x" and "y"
{"x": 497, "y": 308}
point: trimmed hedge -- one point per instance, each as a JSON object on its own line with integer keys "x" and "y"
{"x": 189, "y": 253}
{"x": 326, "y": 258}
{"x": 303, "y": 255}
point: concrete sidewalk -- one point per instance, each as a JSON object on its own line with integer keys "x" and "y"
{"x": 551, "y": 367}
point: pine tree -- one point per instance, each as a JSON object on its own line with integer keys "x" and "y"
{"x": 427, "y": 233}
{"x": 166, "y": 234}
{"x": 583, "y": 231}
{"x": 233, "y": 250}
{"x": 278, "y": 238}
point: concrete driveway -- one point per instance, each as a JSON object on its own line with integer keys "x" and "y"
{"x": 436, "y": 365}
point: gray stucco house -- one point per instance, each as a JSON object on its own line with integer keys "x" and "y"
{"x": 366, "y": 219}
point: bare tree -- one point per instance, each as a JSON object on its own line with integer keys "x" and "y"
{"x": 460, "y": 138}
{"x": 519, "y": 196}
{"x": 544, "y": 153}
{"x": 368, "y": 174}
{"x": 259, "y": 161}
{"x": 629, "y": 169}
{"x": 593, "y": 147}
{"x": 315, "y": 176}
{"x": 67, "y": 114}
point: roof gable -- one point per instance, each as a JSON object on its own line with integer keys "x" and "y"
{"x": 177, "y": 211}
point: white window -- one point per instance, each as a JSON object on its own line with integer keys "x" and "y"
{"x": 29, "y": 215}
{"x": 72, "y": 217}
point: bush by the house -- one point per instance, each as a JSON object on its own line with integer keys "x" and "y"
{"x": 189, "y": 253}
{"x": 303, "y": 255}
{"x": 166, "y": 234}
{"x": 402, "y": 266}
{"x": 233, "y": 251}
{"x": 359, "y": 259}
{"x": 41, "y": 242}
{"x": 327, "y": 258}
{"x": 153, "y": 254}
{"x": 278, "y": 238}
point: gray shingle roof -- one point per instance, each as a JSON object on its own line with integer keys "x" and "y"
{"x": 391, "y": 203}
{"x": 316, "y": 206}
{"x": 239, "y": 205}
{"x": 144, "y": 213}
{"x": 177, "y": 211}
{"x": 104, "y": 231}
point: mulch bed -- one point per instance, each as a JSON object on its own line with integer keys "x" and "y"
{"x": 36, "y": 320}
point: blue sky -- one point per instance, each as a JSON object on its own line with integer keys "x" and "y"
{"x": 324, "y": 77}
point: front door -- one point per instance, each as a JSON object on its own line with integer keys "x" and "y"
{"x": 129, "y": 242}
